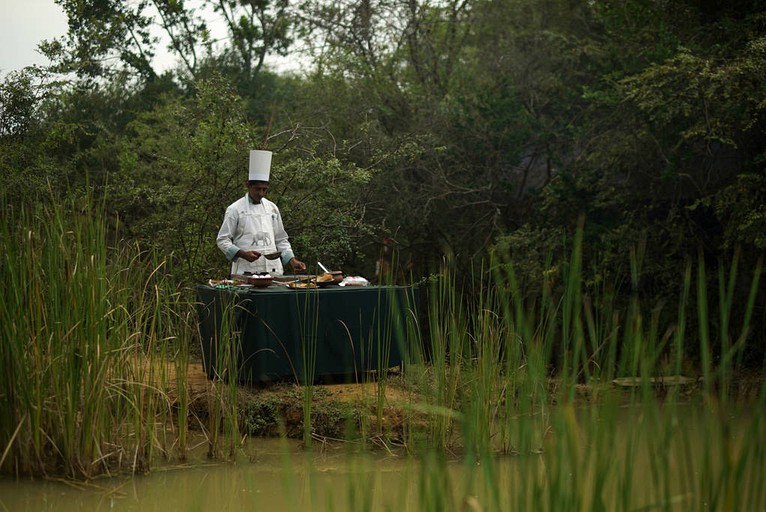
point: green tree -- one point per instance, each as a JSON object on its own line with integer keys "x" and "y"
{"x": 177, "y": 164}
{"x": 100, "y": 33}
{"x": 183, "y": 162}
{"x": 107, "y": 36}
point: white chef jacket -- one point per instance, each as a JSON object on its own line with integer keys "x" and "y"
{"x": 254, "y": 226}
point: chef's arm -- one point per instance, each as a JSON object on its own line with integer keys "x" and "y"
{"x": 232, "y": 252}
{"x": 287, "y": 255}
{"x": 283, "y": 245}
{"x": 289, "y": 260}
{"x": 298, "y": 266}
{"x": 248, "y": 255}
{"x": 225, "y": 237}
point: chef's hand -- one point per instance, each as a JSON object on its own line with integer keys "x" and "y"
{"x": 298, "y": 266}
{"x": 249, "y": 255}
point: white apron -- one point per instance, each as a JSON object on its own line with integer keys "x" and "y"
{"x": 257, "y": 227}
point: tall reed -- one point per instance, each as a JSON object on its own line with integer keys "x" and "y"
{"x": 448, "y": 345}
{"x": 533, "y": 375}
{"x": 309, "y": 328}
{"x": 79, "y": 320}
{"x": 225, "y": 355}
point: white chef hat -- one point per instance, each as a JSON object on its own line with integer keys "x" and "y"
{"x": 260, "y": 165}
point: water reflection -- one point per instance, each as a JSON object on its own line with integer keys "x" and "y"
{"x": 680, "y": 458}
{"x": 276, "y": 476}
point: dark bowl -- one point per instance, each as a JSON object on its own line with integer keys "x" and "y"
{"x": 260, "y": 281}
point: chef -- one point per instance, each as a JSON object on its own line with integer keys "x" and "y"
{"x": 252, "y": 235}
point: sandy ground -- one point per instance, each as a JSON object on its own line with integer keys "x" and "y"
{"x": 199, "y": 384}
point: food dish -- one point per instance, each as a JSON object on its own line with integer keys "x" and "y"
{"x": 260, "y": 281}
{"x": 302, "y": 285}
{"x": 324, "y": 280}
{"x": 220, "y": 282}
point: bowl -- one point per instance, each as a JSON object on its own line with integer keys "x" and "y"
{"x": 324, "y": 280}
{"x": 260, "y": 281}
{"x": 329, "y": 278}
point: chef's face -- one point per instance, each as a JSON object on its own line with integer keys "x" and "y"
{"x": 257, "y": 190}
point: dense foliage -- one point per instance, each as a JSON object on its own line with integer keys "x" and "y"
{"x": 459, "y": 129}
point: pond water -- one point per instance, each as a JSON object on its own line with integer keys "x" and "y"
{"x": 692, "y": 458}
{"x": 279, "y": 475}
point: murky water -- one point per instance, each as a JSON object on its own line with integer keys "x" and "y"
{"x": 693, "y": 459}
{"x": 279, "y": 475}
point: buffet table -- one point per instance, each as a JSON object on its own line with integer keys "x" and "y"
{"x": 305, "y": 335}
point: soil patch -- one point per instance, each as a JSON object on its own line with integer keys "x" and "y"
{"x": 356, "y": 411}
{"x": 338, "y": 411}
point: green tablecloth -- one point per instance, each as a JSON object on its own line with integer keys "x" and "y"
{"x": 304, "y": 334}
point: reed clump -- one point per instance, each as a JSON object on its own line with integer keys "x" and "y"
{"x": 84, "y": 319}
{"x": 602, "y": 405}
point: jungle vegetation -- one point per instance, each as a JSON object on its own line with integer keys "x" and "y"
{"x": 459, "y": 129}
{"x": 577, "y": 186}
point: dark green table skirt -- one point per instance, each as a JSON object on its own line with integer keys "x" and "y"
{"x": 304, "y": 335}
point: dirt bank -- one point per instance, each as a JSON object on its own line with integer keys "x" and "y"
{"x": 338, "y": 410}
{"x": 356, "y": 411}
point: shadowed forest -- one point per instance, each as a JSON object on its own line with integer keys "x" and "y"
{"x": 456, "y": 129}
